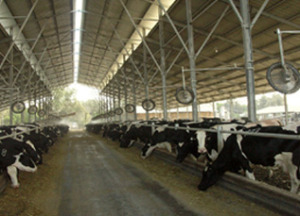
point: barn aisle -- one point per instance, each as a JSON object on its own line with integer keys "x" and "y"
{"x": 99, "y": 181}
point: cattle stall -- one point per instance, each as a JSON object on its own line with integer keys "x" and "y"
{"x": 156, "y": 56}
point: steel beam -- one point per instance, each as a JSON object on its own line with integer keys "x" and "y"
{"x": 174, "y": 27}
{"x": 192, "y": 57}
{"x": 19, "y": 39}
{"x": 145, "y": 74}
{"x": 211, "y": 32}
{"x": 30, "y": 54}
{"x": 140, "y": 34}
{"x": 11, "y": 77}
{"x": 134, "y": 96}
{"x": 4, "y": 9}
{"x": 259, "y": 12}
{"x": 248, "y": 55}
{"x": 163, "y": 66}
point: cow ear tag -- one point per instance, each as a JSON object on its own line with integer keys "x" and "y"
{"x": 3, "y": 152}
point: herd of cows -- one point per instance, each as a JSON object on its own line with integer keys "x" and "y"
{"x": 22, "y": 147}
{"x": 234, "y": 151}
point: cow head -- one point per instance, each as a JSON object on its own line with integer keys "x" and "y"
{"x": 182, "y": 152}
{"x": 200, "y": 136}
{"x": 124, "y": 143}
{"x": 146, "y": 150}
{"x": 211, "y": 145}
{"x": 209, "y": 177}
{"x": 185, "y": 148}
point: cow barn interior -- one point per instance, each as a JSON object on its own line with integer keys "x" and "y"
{"x": 158, "y": 54}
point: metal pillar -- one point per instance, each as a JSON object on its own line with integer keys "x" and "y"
{"x": 247, "y": 40}
{"x": 29, "y": 98}
{"x": 11, "y": 75}
{"x": 214, "y": 109}
{"x": 35, "y": 102}
{"x": 106, "y": 105}
{"x": 134, "y": 96}
{"x": 119, "y": 101}
{"x": 113, "y": 101}
{"x": 230, "y": 108}
{"x": 163, "y": 64}
{"x": 145, "y": 75}
{"x": 191, "y": 56}
{"x": 286, "y": 109}
{"x": 125, "y": 85}
{"x": 125, "y": 97}
{"x": 22, "y": 114}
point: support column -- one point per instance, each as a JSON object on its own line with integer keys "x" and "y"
{"x": 134, "y": 96}
{"x": 125, "y": 86}
{"x": 230, "y": 108}
{"x": 119, "y": 101}
{"x": 125, "y": 97}
{"x": 145, "y": 74}
{"x": 192, "y": 56}
{"x": 29, "y": 100}
{"x": 106, "y": 104}
{"x": 11, "y": 76}
{"x": 163, "y": 65}
{"x": 247, "y": 40}
{"x": 35, "y": 102}
{"x": 285, "y": 109}
{"x": 114, "y": 102}
{"x": 214, "y": 109}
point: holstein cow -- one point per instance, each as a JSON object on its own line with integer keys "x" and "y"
{"x": 15, "y": 156}
{"x": 116, "y": 131}
{"x": 20, "y": 142}
{"x": 208, "y": 141}
{"x": 164, "y": 137}
{"x": 195, "y": 144}
{"x": 135, "y": 132}
{"x": 240, "y": 150}
{"x": 38, "y": 141}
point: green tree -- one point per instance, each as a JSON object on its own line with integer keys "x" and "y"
{"x": 262, "y": 102}
{"x": 92, "y": 107}
{"x": 274, "y": 100}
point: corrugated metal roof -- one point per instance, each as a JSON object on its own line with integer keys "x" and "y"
{"x": 107, "y": 28}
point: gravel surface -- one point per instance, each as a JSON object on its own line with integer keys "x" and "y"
{"x": 41, "y": 193}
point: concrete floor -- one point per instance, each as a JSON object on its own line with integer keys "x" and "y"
{"x": 98, "y": 181}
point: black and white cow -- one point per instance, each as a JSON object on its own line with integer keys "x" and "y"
{"x": 239, "y": 151}
{"x": 38, "y": 141}
{"x": 192, "y": 145}
{"x": 115, "y": 131}
{"x": 208, "y": 141}
{"x": 135, "y": 132}
{"x": 15, "y": 155}
{"x": 165, "y": 137}
{"x": 180, "y": 139}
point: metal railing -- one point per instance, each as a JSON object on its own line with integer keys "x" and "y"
{"x": 219, "y": 131}
{"x": 14, "y": 133}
